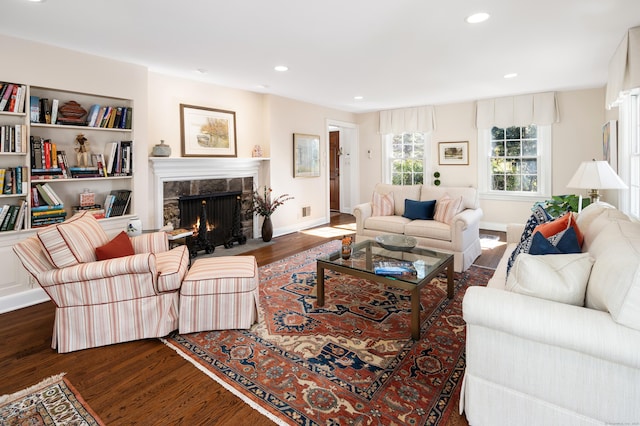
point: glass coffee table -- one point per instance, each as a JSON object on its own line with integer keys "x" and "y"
{"x": 366, "y": 254}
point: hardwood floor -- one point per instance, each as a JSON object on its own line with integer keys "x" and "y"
{"x": 142, "y": 382}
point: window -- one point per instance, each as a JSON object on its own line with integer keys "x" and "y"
{"x": 629, "y": 155}
{"x": 515, "y": 161}
{"x": 405, "y": 158}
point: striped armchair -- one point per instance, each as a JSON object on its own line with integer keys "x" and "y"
{"x": 101, "y": 302}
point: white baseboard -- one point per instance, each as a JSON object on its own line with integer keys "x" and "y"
{"x": 23, "y": 299}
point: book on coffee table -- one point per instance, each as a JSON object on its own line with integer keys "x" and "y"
{"x": 394, "y": 268}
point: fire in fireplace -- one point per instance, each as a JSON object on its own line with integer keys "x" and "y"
{"x": 214, "y": 219}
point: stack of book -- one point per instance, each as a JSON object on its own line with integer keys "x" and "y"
{"x": 47, "y": 206}
{"x": 45, "y": 159}
{"x": 12, "y": 96}
{"x": 13, "y": 180}
{"x": 85, "y": 172}
{"x": 118, "y": 158}
{"x": 12, "y": 216}
{"x": 395, "y": 268}
{"x": 110, "y": 117}
{"x": 96, "y": 210}
{"x": 13, "y": 138}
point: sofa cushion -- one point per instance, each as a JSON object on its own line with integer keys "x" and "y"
{"x": 382, "y": 204}
{"x": 386, "y": 224}
{"x": 419, "y": 209}
{"x": 563, "y": 242}
{"x": 73, "y": 241}
{"x": 428, "y": 229}
{"x": 119, "y": 246}
{"x": 614, "y": 285}
{"x": 400, "y": 193}
{"x": 538, "y": 216}
{"x": 469, "y": 194}
{"x": 559, "y": 225}
{"x": 594, "y": 218}
{"x": 562, "y": 278}
{"x": 447, "y": 208}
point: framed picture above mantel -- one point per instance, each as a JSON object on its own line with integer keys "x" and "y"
{"x": 453, "y": 153}
{"x": 207, "y": 132}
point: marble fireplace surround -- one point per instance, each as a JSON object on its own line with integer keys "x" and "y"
{"x": 168, "y": 169}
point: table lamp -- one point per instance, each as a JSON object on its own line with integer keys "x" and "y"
{"x": 595, "y": 175}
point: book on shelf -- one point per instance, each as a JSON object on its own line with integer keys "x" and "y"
{"x": 54, "y": 111}
{"x": 47, "y": 194}
{"x": 119, "y": 202}
{"x": 398, "y": 268}
{"x": 45, "y": 111}
{"x": 37, "y": 223}
{"x": 3, "y": 213}
{"x": 5, "y": 96}
{"x": 10, "y": 219}
{"x": 34, "y": 109}
{"x": 19, "y": 224}
{"x": 47, "y": 207}
{"x": 85, "y": 172}
{"x": 176, "y": 234}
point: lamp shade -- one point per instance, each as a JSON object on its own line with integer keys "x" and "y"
{"x": 596, "y": 175}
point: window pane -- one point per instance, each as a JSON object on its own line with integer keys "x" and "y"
{"x": 497, "y": 133}
{"x": 530, "y": 132}
{"x": 530, "y": 167}
{"x": 513, "y": 183}
{"x": 529, "y": 183}
{"x": 497, "y": 149}
{"x": 530, "y": 147}
{"x": 513, "y": 148}
{"x": 513, "y": 132}
{"x": 497, "y": 182}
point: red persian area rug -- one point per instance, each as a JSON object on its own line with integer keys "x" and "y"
{"x": 349, "y": 362}
{"x": 53, "y": 401}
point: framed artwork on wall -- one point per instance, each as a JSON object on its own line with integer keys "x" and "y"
{"x": 453, "y": 153}
{"x": 610, "y": 143}
{"x": 306, "y": 155}
{"x": 207, "y": 132}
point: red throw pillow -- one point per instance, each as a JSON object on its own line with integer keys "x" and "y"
{"x": 562, "y": 223}
{"x": 120, "y": 246}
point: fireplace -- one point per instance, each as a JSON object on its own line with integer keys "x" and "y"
{"x": 180, "y": 177}
{"x": 215, "y": 219}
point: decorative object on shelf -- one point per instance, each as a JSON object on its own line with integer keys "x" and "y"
{"x": 453, "y": 153}
{"x": 257, "y": 151}
{"x": 134, "y": 227}
{"x": 82, "y": 151}
{"x": 71, "y": 113}
{"x": 436, "y": 175}
{"x": 161, "y": 150}
{"x": 87, "y": 198}
{"x": 306, "y": 155}
{"x": 396, "y": 242}
{"x": 207, "y": 132}
{"x": 347, "y": 247}
{"x": 264, "y": 205}
{"x": 595, "y": 175}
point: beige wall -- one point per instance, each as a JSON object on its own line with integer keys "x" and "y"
{"x": 578, "y": 137}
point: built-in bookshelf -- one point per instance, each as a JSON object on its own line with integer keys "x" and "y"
{"x": 78, "y": 143}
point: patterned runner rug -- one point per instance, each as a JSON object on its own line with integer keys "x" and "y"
{"x": 350, "y": 362}
{"x": 53, "y": 401}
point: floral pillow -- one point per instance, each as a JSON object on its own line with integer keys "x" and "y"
{"x": 383, "y": 204}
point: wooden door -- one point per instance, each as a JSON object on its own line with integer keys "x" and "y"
{"x": 334, "y": 170}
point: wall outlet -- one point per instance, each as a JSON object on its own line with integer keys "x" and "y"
{"x": 306, "y": 211}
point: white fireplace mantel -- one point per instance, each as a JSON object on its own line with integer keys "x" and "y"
{"x": 171, "y": 169}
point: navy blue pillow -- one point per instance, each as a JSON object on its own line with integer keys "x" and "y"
{"x": 562, "y": 243}
{"x": 419, "y": 209}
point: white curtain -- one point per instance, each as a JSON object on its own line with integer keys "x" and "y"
{"x": 624, "y": 68}
{"x": 408, "y": 120}
{"x": 523, "y": 110}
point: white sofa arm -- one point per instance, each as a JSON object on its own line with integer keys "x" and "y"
{"x": 362, "y": 212}
{"x": 465, "y": 228}
{"x": 552, "y": 323}
{"x": 514, "y": 231}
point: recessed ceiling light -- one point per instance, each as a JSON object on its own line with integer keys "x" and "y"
{"x": 477, "y": 18}
{"x": 281, "y": 68}
{"x": 358, "y": 98}
{"x": 263, "y": 86}
{"x": 201, "y": 71}
{"x": 511, "y": 75}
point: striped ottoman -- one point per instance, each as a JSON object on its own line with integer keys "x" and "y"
{"x": 219, "y": 293}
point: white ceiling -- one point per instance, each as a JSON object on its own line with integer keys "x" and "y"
{"x": 394, "y": 53}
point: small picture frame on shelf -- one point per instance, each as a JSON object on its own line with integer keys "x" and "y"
{"x": 207, "y": 132}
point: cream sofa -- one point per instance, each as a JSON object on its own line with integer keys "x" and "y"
{"x": 534, "y": 361}
{"x": 461, "y": 237}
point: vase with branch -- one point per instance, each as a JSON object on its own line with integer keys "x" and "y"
{"x": 264, "y": 204}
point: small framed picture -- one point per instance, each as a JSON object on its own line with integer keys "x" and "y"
{"x": 453, "y": 153}
{"x": 306, "y": 155}
{"x": 207, "y": 132}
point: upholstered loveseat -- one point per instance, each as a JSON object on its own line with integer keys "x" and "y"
{"x": 556, "y": 341}
{"x": 101, "y": 299}
{"x": 450, "y": 220}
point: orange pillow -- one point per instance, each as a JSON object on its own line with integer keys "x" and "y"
{"x": 562, "y": 223}
{"x": 120, "y": 246}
